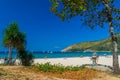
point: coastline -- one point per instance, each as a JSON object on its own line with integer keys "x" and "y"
{"x": 76, "y": 61}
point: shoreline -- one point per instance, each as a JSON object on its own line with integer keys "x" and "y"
{"x": 76, "y": 61}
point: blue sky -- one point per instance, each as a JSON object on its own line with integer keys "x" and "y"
{"x": 44, "y": 30}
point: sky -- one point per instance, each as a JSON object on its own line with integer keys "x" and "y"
{"x": 45, "y": 31}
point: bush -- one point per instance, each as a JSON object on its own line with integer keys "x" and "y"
{"x": 25, "y": 57}
{"x": 45, "y": 67}
{"x": 58, "y": 68}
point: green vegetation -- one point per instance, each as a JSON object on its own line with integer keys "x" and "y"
{"x": 15, "y": 39}
{"x": 58, "y": 68}
{"x": 102, "y": 45}
{"x": 25, "y": 57}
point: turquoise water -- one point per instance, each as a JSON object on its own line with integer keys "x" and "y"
{"x": 60, "y": 55}
{"x": 69, "y": 54}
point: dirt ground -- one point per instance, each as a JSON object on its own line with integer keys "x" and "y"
{"x": 22, "y": 73}
{"x": 107, "y": 76}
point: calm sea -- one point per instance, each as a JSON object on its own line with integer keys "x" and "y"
{"x": 61, "y": 55}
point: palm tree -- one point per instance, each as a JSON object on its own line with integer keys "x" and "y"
{"x": 13, "y": 38}
{"x": 21, "y": 42}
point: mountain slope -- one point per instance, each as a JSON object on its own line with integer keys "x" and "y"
{"x": 102, "y": 45}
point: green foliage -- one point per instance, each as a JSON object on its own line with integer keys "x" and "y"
{"x": 70, "y": 8}
{"x": 92, "y": 12}
{"x": 47, "y": 67}
{"x": 10, "y": 35}
{"x": 13, "y": 39}
{"x": 25, "y": 57}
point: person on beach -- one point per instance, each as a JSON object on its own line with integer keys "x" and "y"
{"x": 94, "y": 58}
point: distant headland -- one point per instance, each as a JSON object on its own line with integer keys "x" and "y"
{"x": 101, "y": 45}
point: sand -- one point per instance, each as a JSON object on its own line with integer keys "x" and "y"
{"x": 104, "y": 60}
{"x": 74, "y": 61}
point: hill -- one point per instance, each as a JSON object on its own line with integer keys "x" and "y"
{"x": 101, "y": 45}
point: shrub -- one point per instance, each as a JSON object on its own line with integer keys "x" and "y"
{"x": 58, "y": 68}
{"x": 25, "y": 57}
{"x": 45, "y": 67}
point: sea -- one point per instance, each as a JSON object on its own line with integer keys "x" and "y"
{"x": 41, "y": 55}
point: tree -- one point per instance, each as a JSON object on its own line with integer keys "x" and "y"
{"x": 13, "y": 39}
{"x": 92, "y": 13}
{"x": 21, "y": 42}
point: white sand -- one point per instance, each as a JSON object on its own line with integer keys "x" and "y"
{"x": 73, "y": 61}
{"x": 76, "y": 61}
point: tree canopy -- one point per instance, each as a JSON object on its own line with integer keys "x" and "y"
{"x": 91, "y": 12}
{"x": 13, "y": 37}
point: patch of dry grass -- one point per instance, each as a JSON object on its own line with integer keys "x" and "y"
{"x": 84, "y": 74}
{"x": 107, "y": 76}
{"x": 20, "y": 73}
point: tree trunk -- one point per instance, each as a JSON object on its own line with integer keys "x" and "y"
{"x": 115, "y": 50}
{"x": 114, "y": 39}
{"x": 10, "y": 55}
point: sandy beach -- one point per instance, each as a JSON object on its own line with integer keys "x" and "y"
{"x": 74, "y": 61}
{"x": 104, "y": 60}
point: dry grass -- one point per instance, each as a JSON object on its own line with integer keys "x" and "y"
{"x": 23, "y": 73}
{"x": 84, "y": 74}
{"x": 107, "y": 76}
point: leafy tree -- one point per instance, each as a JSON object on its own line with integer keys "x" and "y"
{"x": 13, "y": 39}
{"x": 92, "y": 13}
